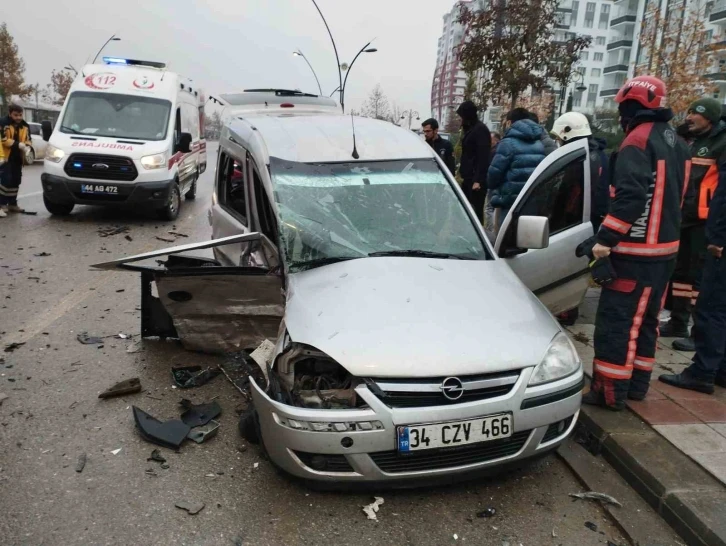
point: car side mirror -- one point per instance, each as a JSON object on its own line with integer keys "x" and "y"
{"x": 533, "y": 232}
{"x": 185, "y": 143}
{"x": 47, "y": 130}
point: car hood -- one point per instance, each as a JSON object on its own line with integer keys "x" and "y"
{"x": 419, "y": 317}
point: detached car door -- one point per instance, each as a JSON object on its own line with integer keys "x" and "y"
{"x": 210, "y": 308}
{"x": 559, "y": 189}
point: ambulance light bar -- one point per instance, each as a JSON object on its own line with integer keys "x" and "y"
{"x": 133, "y": 62}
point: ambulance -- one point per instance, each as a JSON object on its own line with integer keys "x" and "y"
{"x": 130, "y": 133}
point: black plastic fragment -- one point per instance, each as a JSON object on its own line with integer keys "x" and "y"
{"x": 169, "y": 434}
{"x": 193, "y": 376}
{"x": 86, "y": 339}
{"x": 128, "y": 386}
{"x": 156, "y": 456}
{"x": 590, "y": 525}
{"x": 199, "y": 414}
{"x": 489, "y": 512}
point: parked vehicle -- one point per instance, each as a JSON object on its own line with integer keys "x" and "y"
{"x": 39, "y": 145}
{"x": 130, "y": 133}
{"x": 408, "y": 349}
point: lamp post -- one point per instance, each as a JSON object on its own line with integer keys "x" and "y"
{"x": 410, "y": 114}
{"x": 364, "y": 49}
{"x": 575, "y": 77}
{"x": 337, "y": 58}
{"x": 299, "y": 53}
{"x": 70, "y": 67}
{"x": 113, "y": 38}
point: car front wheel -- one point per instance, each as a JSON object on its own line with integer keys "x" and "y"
{"x": 170, "y": 211}
{"x": 58, "y": 209}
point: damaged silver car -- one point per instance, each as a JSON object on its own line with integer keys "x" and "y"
{"x": 407, "y": 347}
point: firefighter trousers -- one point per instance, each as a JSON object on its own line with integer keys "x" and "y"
{"x": 626, "y": 329}
{"x": 687, "y": 275}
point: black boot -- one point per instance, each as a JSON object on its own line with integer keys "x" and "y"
{"x": 686, "y": 344}
{"x": 670, "y": 329}
{"x": 721, "y": 380}
{"x": 686, "y": 380}
{"x": 593, "y": 398}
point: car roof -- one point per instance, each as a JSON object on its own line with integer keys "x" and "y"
{"x": 328, "y": 138}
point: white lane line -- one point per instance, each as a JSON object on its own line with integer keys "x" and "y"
{"x": 30, "y": 194}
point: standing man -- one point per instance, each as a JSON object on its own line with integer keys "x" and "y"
{"x": 640, "y": 235}
{"x": 709, "y": 363}
{"x": 548, "y": 142}
{"x": 440, "y": 145}
{"x": 15, "y": 135}
{"x": 708, "y": 150}
{"x": 476, "y": 145}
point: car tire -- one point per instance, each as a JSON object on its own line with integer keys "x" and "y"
{"x": 58, "y": 209}
{"x": 170, "y": 211}
{"x": 192, "y": 193}
{"x": 249, "y": 425}
{"x": 31, "y": 156}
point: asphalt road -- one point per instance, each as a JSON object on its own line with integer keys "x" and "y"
{"x": 52, "y": 415}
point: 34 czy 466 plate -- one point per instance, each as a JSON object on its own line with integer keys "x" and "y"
{"x": 455, "y": 433}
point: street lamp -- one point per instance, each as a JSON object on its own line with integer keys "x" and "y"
{"x": 410, "y": 114}
{"x": 299, "y": 53}
{"x": 70, "y": 67}
{"x": 364, "y": 49}
{"x": 113, "y": 38}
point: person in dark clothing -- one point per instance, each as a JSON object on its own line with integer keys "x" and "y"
{"x": 440, "y": 145}
{"x": 708, "y": 367}
{"x": 15, "y": 140}
{"x": 475, "y": 156}
{"x": 518, "y": 154}
{"x": 708, "y": 147}
{"x": 640, "y": 236}
{"x": 549, "y": 143}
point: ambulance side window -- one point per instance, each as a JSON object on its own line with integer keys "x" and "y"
{"x": 232, "y": 187}
{"x": 177, "y": 129}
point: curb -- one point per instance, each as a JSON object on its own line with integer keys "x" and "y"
{"x": 688, "y": 498}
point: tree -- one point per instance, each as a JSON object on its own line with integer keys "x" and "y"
{"x": 377, "y": 106}
{"x": 673, "y": 49}
{"x": 510, "y": 47}
{"x": 12, "y": 68}
{"x": 541, "y": 104}
{"x": 61, "y": 82}
{"x": 214, "y": 126}
{"x": 453, "y": 122}
{"x": 395, "y": 115}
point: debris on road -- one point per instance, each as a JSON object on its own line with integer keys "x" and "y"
{"x": 112, "y": 230}
{"x": 489, "y": 512}
{"x": 150, "y": 472}
{"x": 199, "y": 414}
{"x": 590, "y": 525}
{"x": 582, "y": 338}
{"x": 134, "y": 347}
{"x": 29, "y": 212}
{"x": 192, "y": 507}
{"x": 238, "y": 369}
{"x": 81, "y": 464}
{"x": 594, "y": 495}
{"x": 263, "y": 357}
{"x": 169, "y": 434}
{"x": 156, "y": 456}
{"x": 204, "y": 433}
{"x": 166, "y": 239}
{"x": 123, "y": 336}
{"x": 372, "y": 509}
{"x": 128, "y": 386}
{"x": 12, "y": 346}
{"x": 193, "y": 376}
{"x": 42, "y": 254}
{"x": 128, "y": 238}
{"x": 86, "y": 339}
{"x": 116, "y": 451}
{"x": 177, "y": 234}
{"x": 3, "y": 397}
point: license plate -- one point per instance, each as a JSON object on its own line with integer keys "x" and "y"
{"x": 455, "y": 433}
{"x": 98, "y": 188}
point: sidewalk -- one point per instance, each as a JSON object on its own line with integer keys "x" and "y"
{"x": 671, "y": 447}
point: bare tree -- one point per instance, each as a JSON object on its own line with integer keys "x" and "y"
{"x": 12, "y": 68}
{"x": 377, "y": 106}
{"x": 395, "y": 115}
{"x": 61, "y": 82}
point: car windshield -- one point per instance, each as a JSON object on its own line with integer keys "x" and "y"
{"x": 116, "y": 116}
{"x": 331, "y": 212}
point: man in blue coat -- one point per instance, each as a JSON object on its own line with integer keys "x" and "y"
{"x": 518, "y": 154}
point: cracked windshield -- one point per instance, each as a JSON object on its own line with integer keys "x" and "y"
{"x": 335, "y": 212}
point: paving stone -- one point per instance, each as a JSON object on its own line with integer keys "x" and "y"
{"x": 583, "y": 330}
{"x": 662, "y": 412}
{"x": 664, "y": 353}
{"x": 699, "y": 516}
{"x": 709, "y": 411}
{"x": 653, "y": 394}
{"x": 715, "y": 463}
{"x": 678, "y": 394}
{"x": 693, "y": 438}
{"x": 718, "y": 427}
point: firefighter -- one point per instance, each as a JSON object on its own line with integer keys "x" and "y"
{"x": 708, "y": 150}
{"x": 640, "y": 236}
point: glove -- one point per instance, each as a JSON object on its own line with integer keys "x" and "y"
{"x": 602, "y": 271}
{"x": 585, "y": 248}
{"x": 22, "y": 146}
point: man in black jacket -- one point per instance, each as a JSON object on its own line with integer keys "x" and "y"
{"x": 475, "y": 156}
{"x": 440, "y": 145}
{"x": 640, "y": 235}
{"x": 709, "y": 329}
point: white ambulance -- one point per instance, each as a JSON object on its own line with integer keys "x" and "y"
{"x": 130, "y": 133}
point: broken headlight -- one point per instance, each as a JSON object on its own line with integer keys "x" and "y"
{"x": 560, "y": 360}
{"x": 317, "y": 426}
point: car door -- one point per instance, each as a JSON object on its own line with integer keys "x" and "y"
{"x": 210, "y": 308}
{"x": 560, "y": 190}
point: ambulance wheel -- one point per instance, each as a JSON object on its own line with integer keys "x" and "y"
{"x": 170, "y": 211}
{"x": 58, "y": 209}
{"x": 192, "y": 193}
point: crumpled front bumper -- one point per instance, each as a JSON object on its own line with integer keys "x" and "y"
{"x": 549, "y": 416}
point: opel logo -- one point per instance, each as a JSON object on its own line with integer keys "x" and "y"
{"x": 453, "y": 388}
{"x": 100, "y": 166}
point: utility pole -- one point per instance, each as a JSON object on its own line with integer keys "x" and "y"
{"x": 410, "y": 114}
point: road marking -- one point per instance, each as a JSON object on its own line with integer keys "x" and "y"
{"x": 30, "y": 194}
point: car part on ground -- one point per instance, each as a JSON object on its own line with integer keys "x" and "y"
{"x": 128, "y": 386}
{"x": 203, "y": 433}
{"x": 169, "y": 434}
{"x": 187, "y": 377}
{"x": 192, "y": 507}
{"x": 197, "y": 415}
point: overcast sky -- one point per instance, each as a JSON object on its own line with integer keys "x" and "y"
{"x": 226, "y": 45}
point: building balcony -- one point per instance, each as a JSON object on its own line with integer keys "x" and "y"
{"x": 615, "y": 68}
{"x": 718, "y": 13}
{"x": 609, "y": 92}
{"x": 627, "y": 18}
{"x": 620, "y": 42}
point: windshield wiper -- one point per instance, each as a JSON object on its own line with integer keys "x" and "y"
{"x": 319, "y": 262}
{"x": 419, "y": 254}
{"x": 70, "y": 130}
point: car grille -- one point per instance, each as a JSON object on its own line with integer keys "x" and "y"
{"x": 417, "y": 393}
{"x": 557, "y": 429}
{"x": 393, "y": 461}
{"x": 324, "y": 463}
{"x": 117, "y": 168}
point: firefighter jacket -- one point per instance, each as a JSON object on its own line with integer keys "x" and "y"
{"x": 647, "y": 190}
{"x": 708, "y": 153}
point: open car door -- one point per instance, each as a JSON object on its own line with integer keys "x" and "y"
{"x": 210, "y": 308}
{"x": 559, "y": 189}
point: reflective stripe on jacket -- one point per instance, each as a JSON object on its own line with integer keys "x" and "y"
{"x": 708, "y": 152}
